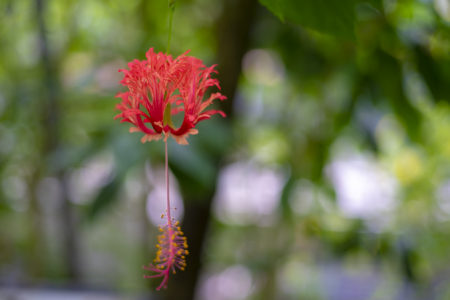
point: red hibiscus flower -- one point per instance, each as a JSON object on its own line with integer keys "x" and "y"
{"x": 160, "y": 87}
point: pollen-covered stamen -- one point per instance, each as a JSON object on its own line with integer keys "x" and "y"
{"x": 171, "y": 254}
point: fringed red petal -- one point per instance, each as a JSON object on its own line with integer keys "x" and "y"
{"x": 158, "y": 80}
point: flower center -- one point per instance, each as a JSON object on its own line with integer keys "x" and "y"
{"x": 167, "y": 118}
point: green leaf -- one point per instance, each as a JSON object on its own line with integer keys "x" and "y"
{"x": 389, "y": 76}
{"x": 431, "y": 71}
{"x": 105, "y": 198}
{"x": 334, "y": 17}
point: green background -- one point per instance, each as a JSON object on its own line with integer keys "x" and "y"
{"x": 329, "y": 178}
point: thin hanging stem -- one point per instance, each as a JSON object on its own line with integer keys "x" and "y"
{"x": 171, "y": 10}
{"x": 169, "y": 219}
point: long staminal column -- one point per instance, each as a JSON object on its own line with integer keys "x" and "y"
{"x": 172, "y": 244}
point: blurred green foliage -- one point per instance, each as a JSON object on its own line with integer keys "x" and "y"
{"x": 324, "y": 87}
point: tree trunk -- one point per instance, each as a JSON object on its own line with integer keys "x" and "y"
{"x": 50, "y": 125}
